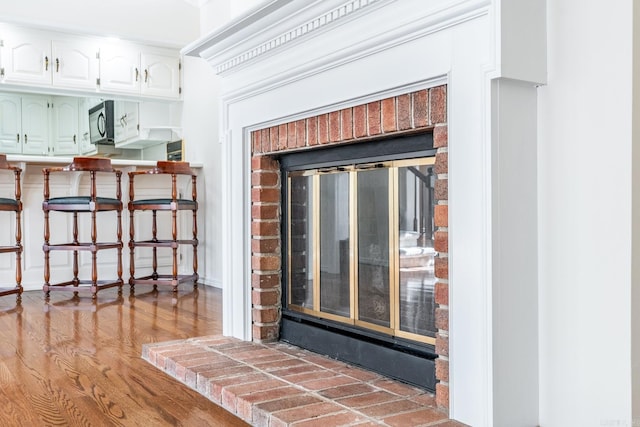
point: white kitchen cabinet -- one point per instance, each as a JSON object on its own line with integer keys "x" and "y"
{"x": 75, "y": 63}
{"x": 64, "y": 138}
{"x": 10, "y": 124}
{"x": 126, "y": 117}
{"x": 130, "y": 70}
{"x": 84, "y": 138}
{"x": 40, "y": 125}
{"x": 35, "y": 125}
{"x": 119, "y": 69}
{"x": 26, "y": 58}
{"x": 161, "y": 75}
{"x": 32, "y": 57}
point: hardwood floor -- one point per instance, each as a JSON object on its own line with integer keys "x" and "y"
{"x": 75, "y": 362}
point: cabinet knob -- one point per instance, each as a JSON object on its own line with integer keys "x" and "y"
{"x": 25, "y": 138}
{"x": 146, "y": 75}
{"x": 74, "y": 139}
{"x": 46, "y": 63}
{"x": 18, "y": 137}
{"x": 57, "y": 65}
{"x": 137, "y": 73}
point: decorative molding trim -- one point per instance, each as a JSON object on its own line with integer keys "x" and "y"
{"x": 448, "y": 17}
{"x": 375, "y": 96}
{"x": 339, "y": 13}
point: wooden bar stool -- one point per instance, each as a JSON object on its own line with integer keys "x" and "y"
{"x": 174, "y": 204}
{"x": 13, "y": 205}
{"x": 92, "y": 204}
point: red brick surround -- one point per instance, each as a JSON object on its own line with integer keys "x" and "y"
{"x": 424, "y": 110}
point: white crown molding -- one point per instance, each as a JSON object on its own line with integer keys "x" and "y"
{"x": 293, "y": 35}
{"x": 415, "y": 27}
{"x": 272, "y": 26}
{"x": 279, "y": 25}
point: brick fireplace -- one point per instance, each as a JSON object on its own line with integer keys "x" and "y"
{"x": 298, "y": 77}
{"x": 422, "y": 110}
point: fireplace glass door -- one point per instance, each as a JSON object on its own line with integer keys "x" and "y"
{"x": 360, "y": 246}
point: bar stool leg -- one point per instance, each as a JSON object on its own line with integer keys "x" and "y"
{"x": 195, "y": 247}
{"x": 132, "y": 267}
{"x": 94, "y": 255}
{"x": 76, "y": 280}
{"x": 174, "y": 233}
{"x": 154, "y": 232}
{"x": 19, "y": 245}
{"x": 47, "y": 271}
{"x": 119, "y": 237}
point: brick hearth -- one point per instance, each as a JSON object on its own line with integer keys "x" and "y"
{"x": 279, "y": 385}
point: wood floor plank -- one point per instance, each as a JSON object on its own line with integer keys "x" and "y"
{"x": 76, "y": 362}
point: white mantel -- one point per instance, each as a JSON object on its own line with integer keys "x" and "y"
{"x": 288, "y": 59}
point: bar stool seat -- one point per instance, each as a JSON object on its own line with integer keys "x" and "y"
{"x": 13, "y": 205}
{"x": 174, "y": 204}
{"x": 9, "y": 202}
{"x": 75, "y": 204}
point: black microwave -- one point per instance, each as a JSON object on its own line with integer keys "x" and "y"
{"x": 101, "y": 122}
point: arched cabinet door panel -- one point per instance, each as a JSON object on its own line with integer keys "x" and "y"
{"x": 161, "y": 75}
{"x": 10, "y": 124}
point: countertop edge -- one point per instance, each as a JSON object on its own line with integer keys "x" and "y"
{"x": 17, "y": 158}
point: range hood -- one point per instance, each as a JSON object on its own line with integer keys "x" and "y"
{"x": 148, "y": 137}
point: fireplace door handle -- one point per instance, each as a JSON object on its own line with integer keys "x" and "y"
{"x": 370, "y": 166}
{"x": 332, "y": 169}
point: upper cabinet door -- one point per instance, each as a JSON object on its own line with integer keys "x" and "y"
{"x": 35, "y": 125}
{"x": 120, "y": 69}
{"x": 26, "y": 58}
{"x": 75, "y": 64}
{"x": 10, "y": 124}
{"x": 161, "y": 75}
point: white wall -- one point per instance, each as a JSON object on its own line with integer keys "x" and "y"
{"x": 635, "y": 260}
{"x": 167, "y": 22}
{"x": 585, "y": 223}
{"x": 200, "y": 123}
{"x": 201, "y": 140}
{"x": 216, "y": 13}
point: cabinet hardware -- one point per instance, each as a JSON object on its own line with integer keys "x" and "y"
{"x": 137, "y": 74}
{"x": 98, "y": 55}
{"x": 57, "y": 65}
{"x": 25, "y": 138}
{"x": 146, "y": 75}
{"x": 2, "y": 72}
{"x": 74, "y": 139}
{"x": 97, "y": 82}
{"x": 1, "y": 43}
{"x": 46, "y": 63}
{"x": 17, "y": 137}
{"x": 179, "y": 91}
